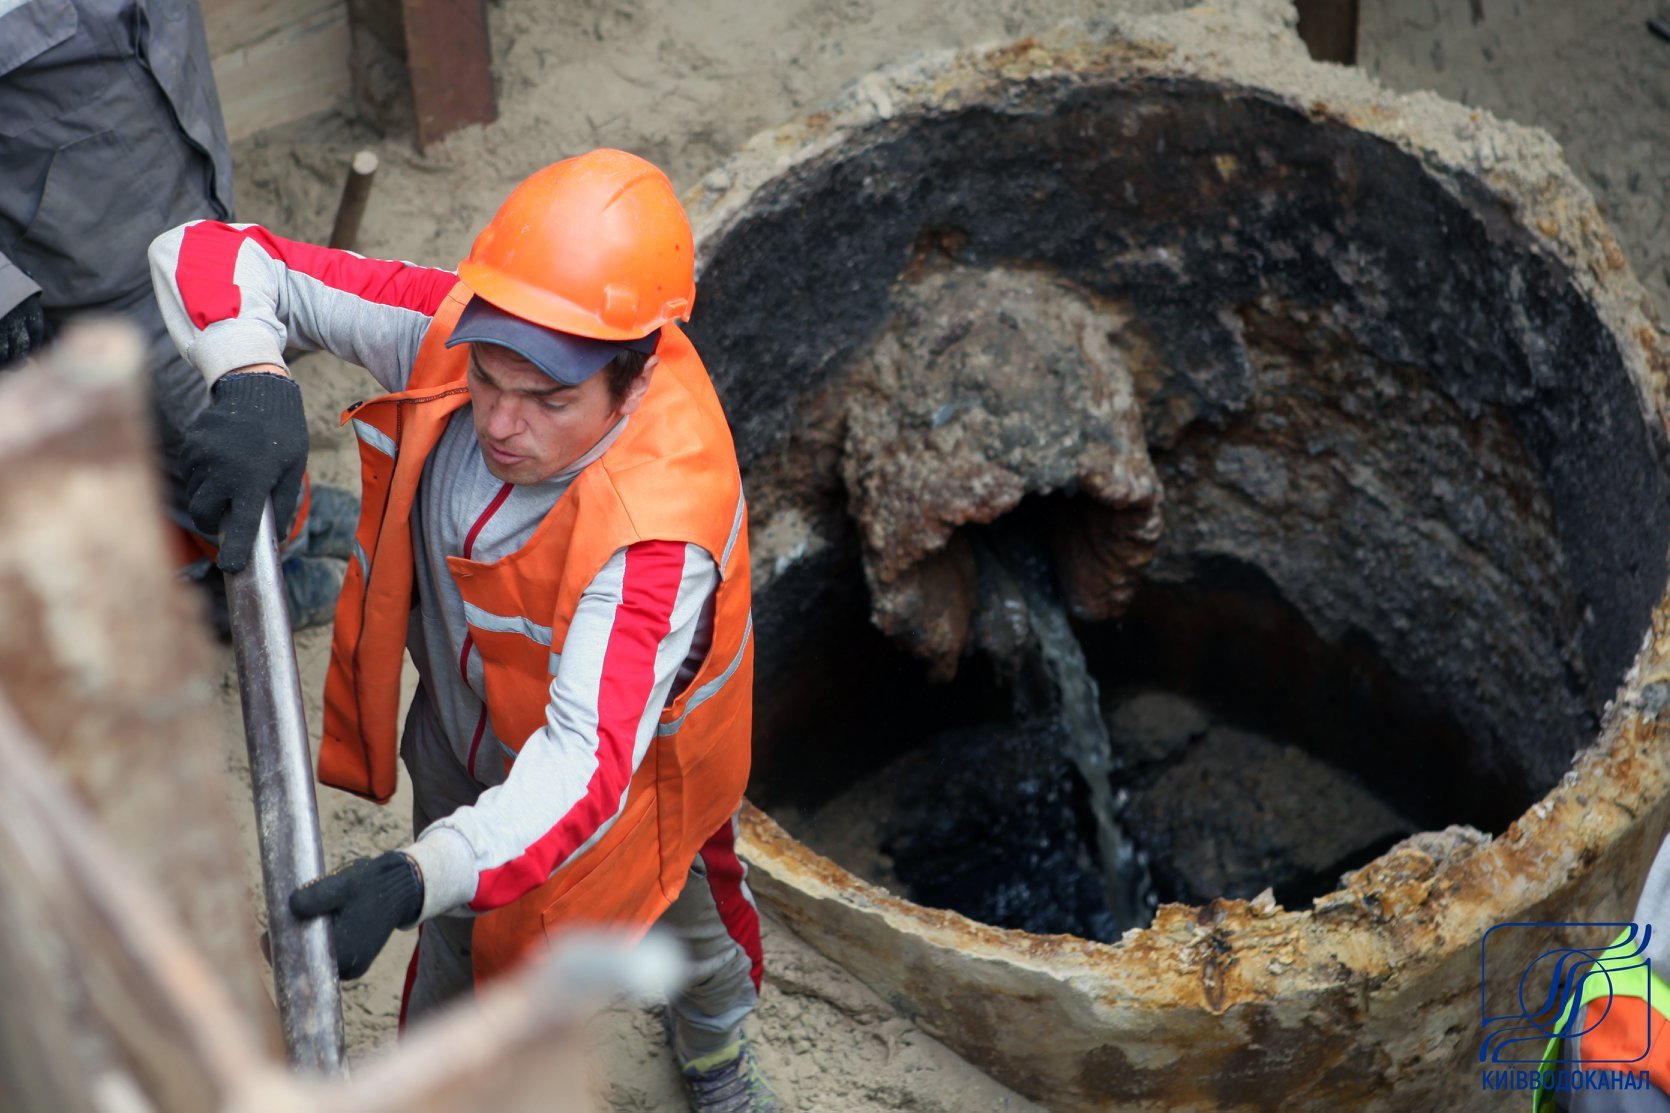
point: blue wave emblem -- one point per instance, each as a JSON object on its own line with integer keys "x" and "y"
{"x": 1522, "y": 1037}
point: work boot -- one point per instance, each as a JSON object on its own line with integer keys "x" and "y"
{"x": 311, "y": 585}
{"x": 332, "y": 517}
{"x": 727, "y": 1081}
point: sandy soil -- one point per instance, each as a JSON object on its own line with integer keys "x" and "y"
{"x": 685, "y": 84}
{"x": 1588, "y": 73}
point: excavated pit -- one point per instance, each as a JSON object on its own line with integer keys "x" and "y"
{"x": 1336, "y": 419}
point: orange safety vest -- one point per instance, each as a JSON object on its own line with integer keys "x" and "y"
{"x": 671, "y": 475}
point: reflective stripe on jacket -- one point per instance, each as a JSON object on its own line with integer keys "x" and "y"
{"x": 1621, "y": 974}
{"x": 671, "y": 475}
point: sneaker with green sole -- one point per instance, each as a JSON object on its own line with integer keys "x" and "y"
{"x": 729, "y": 1081}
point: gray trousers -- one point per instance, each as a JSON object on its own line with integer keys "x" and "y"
{"x": 714, "y": 919}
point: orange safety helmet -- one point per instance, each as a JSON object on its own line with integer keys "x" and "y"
{"x": 597, "y": 245}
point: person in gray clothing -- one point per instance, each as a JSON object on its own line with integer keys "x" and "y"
{"x": 110, "y": 133}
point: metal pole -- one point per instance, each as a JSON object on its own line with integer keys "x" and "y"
{"x": 286, "y": 812}
{"x": 356, "y": 190}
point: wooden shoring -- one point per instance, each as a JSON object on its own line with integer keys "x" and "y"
{"x": 104, "y": 654}
{"x": 106, "y": 1005}
{"x": 125, "y": 933}
{"x": 118, "y": 1002}
{"x": 451, "y": 65}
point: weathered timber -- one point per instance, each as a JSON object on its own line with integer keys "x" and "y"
{"x": 451, "y": 66}
{"x": 517, "y": 1049}
{"x": 116, "y": 1001}
{"x": 107, "y": 1005}
{"x": 274, "y": 63}
{"x": 103, "y": 653}
{"x": 126, "y": 947}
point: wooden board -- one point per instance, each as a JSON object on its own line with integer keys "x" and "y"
{"x": 451, "y": 66}
{"x": 103, "y": 653}
{"x": 121, "y": 957}
{"x": 274, "y": 63}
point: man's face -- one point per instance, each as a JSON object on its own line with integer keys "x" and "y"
{"x": 530, "y": 426}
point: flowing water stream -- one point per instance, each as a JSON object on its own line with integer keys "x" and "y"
{"x": 1019, "y": 582}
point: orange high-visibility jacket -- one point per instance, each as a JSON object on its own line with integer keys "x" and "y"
{"x": 671, "y": 475}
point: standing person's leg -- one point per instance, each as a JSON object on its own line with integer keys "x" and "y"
{"x": 719, "y": 926}
{"x": 440, "y": 968}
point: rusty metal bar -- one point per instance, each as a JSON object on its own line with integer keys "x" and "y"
{"x": 287, "y": 814}
{"x": 356, "y": 190}
{"x": 451, "y": 65}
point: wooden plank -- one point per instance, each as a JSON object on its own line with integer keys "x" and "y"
{"x": 109, "y": 995}
{"x": 240, "y": 24}
{"x": 107, "y": 1001}
{"x": 105, "y": 655}
{"x": 1329, "y": 28}
{"x": 274, "y": 63}
{"x": 451, "y": 65}
{"x": 143, "y": 1006}
{"x": 518, "y": 1048}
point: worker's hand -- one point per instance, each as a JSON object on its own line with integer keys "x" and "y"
{"x": 251, "y": 442}
{"x": 366, "y": 900}
{"x": 22, "y": 329}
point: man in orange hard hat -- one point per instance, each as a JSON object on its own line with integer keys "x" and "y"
{"x": 553, "y": 524}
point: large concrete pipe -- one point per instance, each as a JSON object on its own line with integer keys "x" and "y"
{"x": 1400, "y": 488}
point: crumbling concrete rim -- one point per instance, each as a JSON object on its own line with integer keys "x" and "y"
{"x": 1377, "y": 964}
{"x": 1628, "y": 769}
{"x": 1476, "y": 158}
{"x": 898, "y": 184}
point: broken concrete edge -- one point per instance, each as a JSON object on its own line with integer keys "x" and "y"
{"x": 1252, "y": 47}
{"x": 1532, "y": 866}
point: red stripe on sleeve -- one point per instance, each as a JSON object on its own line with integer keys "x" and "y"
{"x": 649, "y": 588}
{"x": 203, "y": 272}
{"x": 383, "y": 281}
{"x": 208, "y": 258}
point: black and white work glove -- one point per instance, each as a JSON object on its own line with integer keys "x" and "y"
{"x": 250, "y": 443}
{"x": 366, "y": 900}
{"x": 22, "y": 329}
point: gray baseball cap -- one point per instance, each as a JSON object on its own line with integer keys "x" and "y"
{"x": 567, "y": 358}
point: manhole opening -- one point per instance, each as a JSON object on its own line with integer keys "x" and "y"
{"x": 1249, "y": 753}
{"x": 1413, "y": 522}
